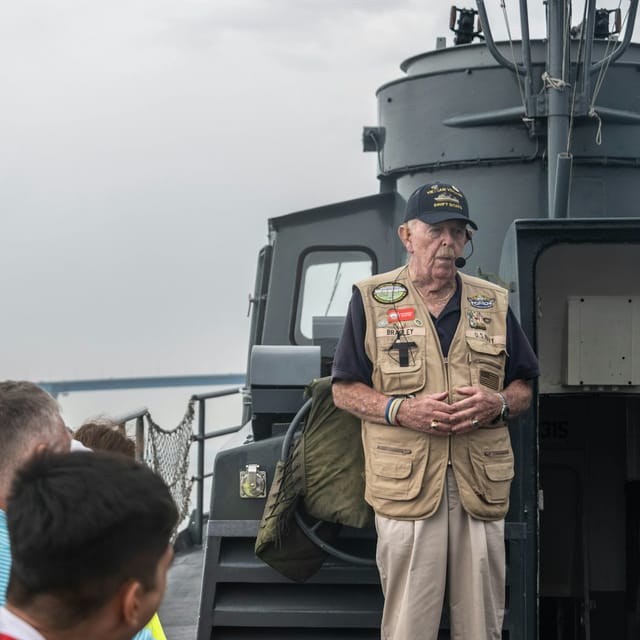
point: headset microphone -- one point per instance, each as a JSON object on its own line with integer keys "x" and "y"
{"x": 460, "y": 262}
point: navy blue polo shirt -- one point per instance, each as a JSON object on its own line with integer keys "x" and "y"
{"x": 352, "y": 364}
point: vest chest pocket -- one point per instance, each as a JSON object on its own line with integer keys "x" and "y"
{"x": 486, "y": 364}
{"x": 396, "y": 472}
{"x": 396, "y": 379}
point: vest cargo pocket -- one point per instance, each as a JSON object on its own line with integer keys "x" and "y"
{"x": 402, "y": 380}
{"x": 493, "y": 467}
{"x": 500, "y": 476}
{"x": 396, "y": 472}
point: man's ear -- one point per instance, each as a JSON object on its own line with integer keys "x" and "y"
{"x": 468, "y": 234}
{"x": 405, "y": 235}
{"x": 130, "y": 596}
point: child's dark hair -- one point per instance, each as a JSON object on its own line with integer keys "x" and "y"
{"x": 81, "y": 524}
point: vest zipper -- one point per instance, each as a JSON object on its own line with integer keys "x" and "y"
{"x": 445, "y": 361}
{"x": 491, "y": 454}
{"x": 382, "y": 447}
{"x": 446, "y": 376}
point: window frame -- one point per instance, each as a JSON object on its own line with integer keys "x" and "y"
{"x": 296, "y": 337}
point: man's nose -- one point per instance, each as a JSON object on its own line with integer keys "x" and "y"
{"x": 447, "y": 237}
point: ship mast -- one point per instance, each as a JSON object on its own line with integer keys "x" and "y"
{"x": 564, "y": 100}
{"x": 558, "y": 110}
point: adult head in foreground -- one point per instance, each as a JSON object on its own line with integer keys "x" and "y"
{"x": 30, "y": 422}
{"x": 90, "y": 538}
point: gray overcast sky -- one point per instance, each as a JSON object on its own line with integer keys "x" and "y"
{"x": 144, "y": 144}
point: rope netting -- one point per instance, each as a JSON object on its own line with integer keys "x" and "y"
{"x": 167, "y": 453}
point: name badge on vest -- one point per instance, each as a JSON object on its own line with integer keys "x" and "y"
{"x": 391, "y": 332}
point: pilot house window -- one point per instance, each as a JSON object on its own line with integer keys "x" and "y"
{"x": 326, "y": 281}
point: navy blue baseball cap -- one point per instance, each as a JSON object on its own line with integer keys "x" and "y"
{"x": 437, "y": 202}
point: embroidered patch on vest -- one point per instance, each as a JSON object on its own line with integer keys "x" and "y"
{"x": 489, "y": 379}
{"x": 476, "y": 321}
{"x": 477, "y": 334}
{"x": 390, "y": 293}
{"x": 480, "y": 301}
{"x": 401, "y": 315}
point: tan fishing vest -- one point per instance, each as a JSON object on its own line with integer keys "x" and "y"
{"x": 405, "y": 469}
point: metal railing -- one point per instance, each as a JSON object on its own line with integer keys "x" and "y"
{"x": 139, "y": 416}
{"x": 201, "y": 438}
{"x": 197, "y": 523}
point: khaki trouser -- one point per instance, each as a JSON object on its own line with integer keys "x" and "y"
{"x": 417, "y": 558}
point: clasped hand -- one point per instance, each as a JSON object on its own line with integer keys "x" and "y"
{"x": 432, "y": 414}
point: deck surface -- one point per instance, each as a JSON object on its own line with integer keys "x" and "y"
{"x": 179, "y": 608}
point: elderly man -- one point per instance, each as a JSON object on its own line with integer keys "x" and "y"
{"x": 434, "y": 363}
{"x": 29, "y": 422}
{"x": 94, "y": 572}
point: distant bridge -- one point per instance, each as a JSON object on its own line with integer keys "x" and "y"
{"x": 111, "y": 384}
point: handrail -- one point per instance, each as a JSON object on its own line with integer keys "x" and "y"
{"x": 217, "y": 394}
{"x": 201, "y": 437}
{"x": 56, "y": 388}
{"x": 491, "y": 45}
{"x": 585, "y": 84}
{"x": 139, "y": 416}
{"x": 624, "y": 45}
{"x": 138, "y": 413}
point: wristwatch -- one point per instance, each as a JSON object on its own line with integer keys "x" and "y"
{"x": 504, "y": 412}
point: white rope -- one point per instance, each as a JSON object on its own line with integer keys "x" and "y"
{"x": 594, "y": 114}
{"x": 554, "y": 83}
